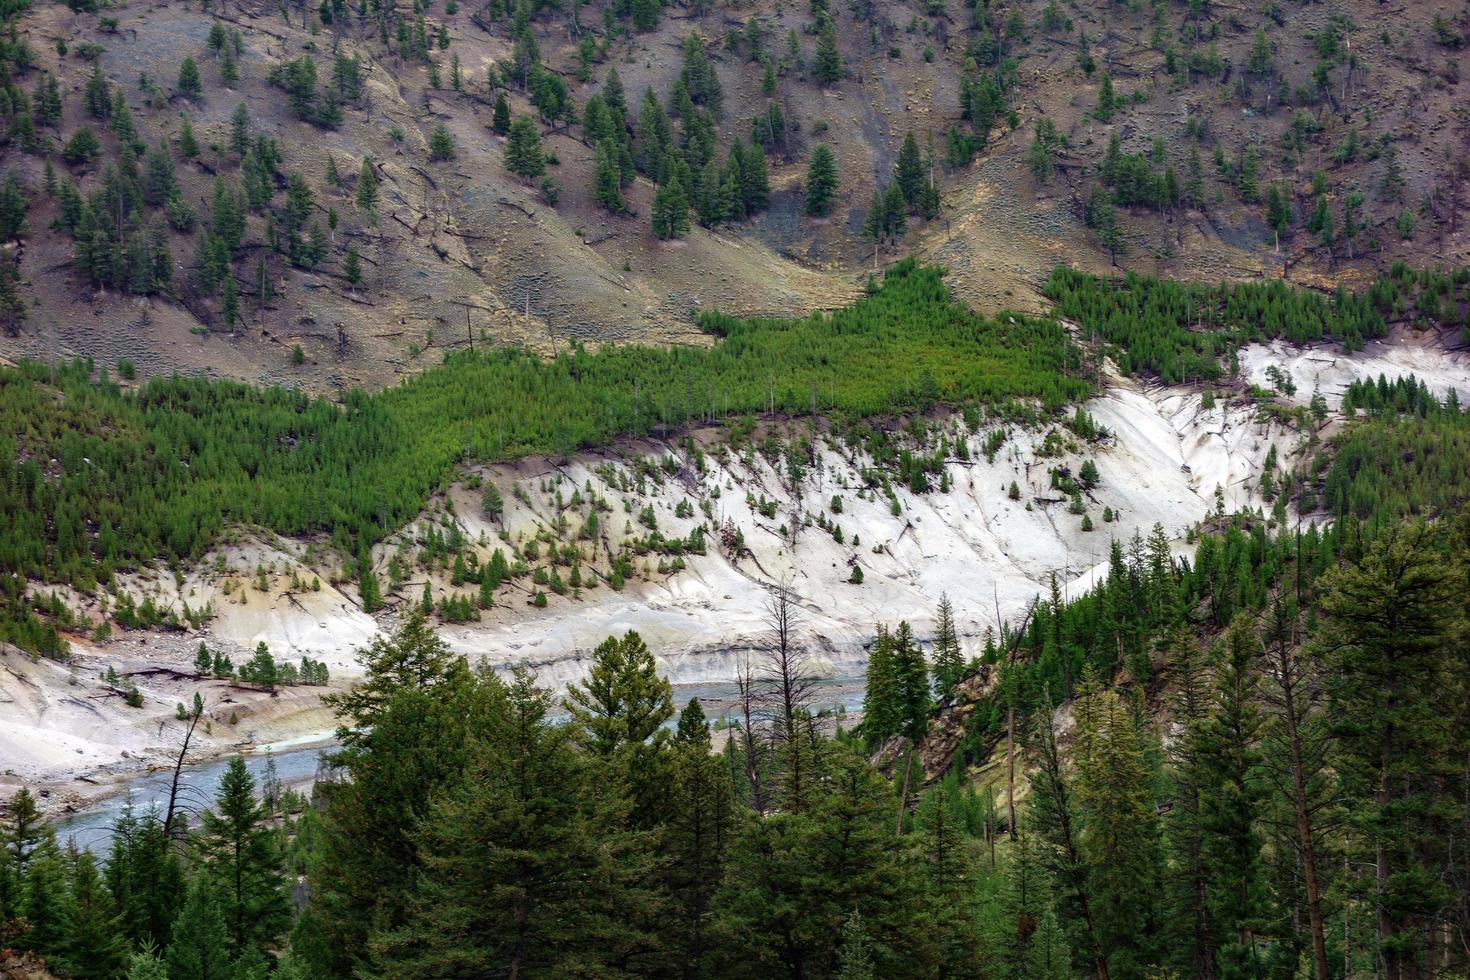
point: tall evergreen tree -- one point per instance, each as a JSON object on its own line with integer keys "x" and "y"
{"x": 949, "y": 664}
{"x": 670, "y": 218}
{"x": 521, "y": 874}
{"x": 699, "y": 825}
{"x": 912, "y": 677}
{"x": 239, "y": 853}
{"x": 500, "y": 119}
{"x": 367, "y": 186}
{"x": 908, "y": 172}
{"x": 619, "y": 712}
{"x": 821, "y": 182}
{"x": 827, "y": 66}
{"x": 94, "y": 946}
{"x": 523, "y": 155}
{"x": 882, "y": 712}
{"x": 1395, "y": 616}
{"x": 607, "y": 178}
{"x": 199, "y": 949}
{"x": 188, "y": 84}
{"x": 1231, "y": 797}
{"x": 1118, "y": 827}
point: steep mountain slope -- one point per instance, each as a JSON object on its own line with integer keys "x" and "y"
{"x": 462, "y": 249}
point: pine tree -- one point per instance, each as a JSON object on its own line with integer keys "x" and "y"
{"x": 240, "y": 130}
{"x": 83, "y": 147}
{"x": 827, "y": 66}
{"x": 94, "y": 944}
{"x": 1029, "y": 943}
{"x": 188, "y": 144}
{"x": 652, "y": 134}
{"x": 367, "y": 186}
{"x": 608, "y": 185}
{"x": 97, "y": 96}
{"x": 230, "y": 302}
{"x": 1393, "y": 691}
{"x": 1278, "y": 210}
{"x": 1248, "y": 181}
{"x": 1107, "y": 102}
{"x": 949, "y": 875}
{"x": 795, "y": 878}
{"x": 755, "y": 184}
{"x": 240, "y": 856}
{"x": 189, "y": 85}
{"x": 46, "y": 900}
{"x": 1231, "y": 792}
{"x": 875, "y": 225}
{"x": 670, "y": 217}
{"x": 1102, "y": 218}
{"x": 441, "y": 144}
{"x": 912, "y": 678}
{"x": 523, "y": 150}
{"x": 147, "y": 966}
{"x": 229, "y": 68}
{"x": 200, "y": 946}
{"x": 895, "y": 210}
{"x": 520, "y": 875}
{"x": 855, "y": 960}
{"x": 821, "y": 181}
{"x": 908, "y": 172}
{"x": 619, "y": 712}
{"x": 1260, "y": 59}
{"x": 500, "y": 121}
{"x": 12, "y": 304}
{"x": 949, "y": 665}
{"x": 143, "y": 871}
{"x": 699, "y": 824}
{"x": 882, "y": 695}
{"x": 1118, "y": 835}
{"x": 352, "y": 268}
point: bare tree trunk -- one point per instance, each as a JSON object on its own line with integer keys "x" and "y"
{"x": 1304, "y": 822}
{"x": 788, "y": 676}
{"x": 745, "y": 681}
{"x": 173, "y": 788}
{"x": 1390, "y": 954}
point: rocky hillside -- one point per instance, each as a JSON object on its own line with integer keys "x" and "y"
{"x": 1185, "y": 139}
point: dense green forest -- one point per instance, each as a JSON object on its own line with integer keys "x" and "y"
{"x": 97, "y": 476}
{"x": 1180, "y": 331}
{"x": 1304, "y": 817}
{"x": 1410, "y": 456}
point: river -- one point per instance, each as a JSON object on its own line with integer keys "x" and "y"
{"x": 296, "y": 763}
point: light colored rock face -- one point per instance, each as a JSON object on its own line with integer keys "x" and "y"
{"x": 1313, "y": 368}
{"x": 1162, "y": 464}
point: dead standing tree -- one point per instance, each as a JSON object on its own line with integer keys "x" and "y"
{"x": 786, "y": 675}
{"x": 191, "y": 715}
{"x": 750, "y": 710}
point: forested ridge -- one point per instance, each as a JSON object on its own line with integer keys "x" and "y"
{"x": 1259, "y": 772}
{"x": 97, "y": 477}
{"x": 1409, "y": 456}
{"x": 1179, "y": 331}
